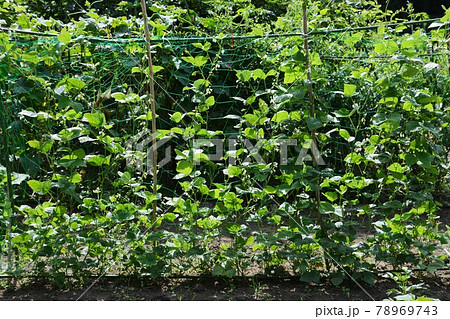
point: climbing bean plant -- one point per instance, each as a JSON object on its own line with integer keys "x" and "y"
{"x": 75, "y": 105}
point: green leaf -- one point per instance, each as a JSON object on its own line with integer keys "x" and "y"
{"x": 176, "y": 117}
{"x": 244, "y": 75}
{"x": 31, "y": 57}
{"x": 270, "y": 189}
{"x": 210, "y": 101}
{"x": 292, "y": 76}
{"x": 252, "y": 119}
{"x": 97, "y": 160}
{"x": 424, "y": 159}
{"x": 147, "y": 117}
{"x": 185, "y": 167}
{"x": 354, "y": 158}
{"x": 201, "y": 83}
{"x": 204, "y": 46}
{"x": 295, "y": 115}
{"x": 198, "y": 61}
{"x": 331, "y": 196}
{"x": 357, "y": 183}
{"x": 349, "y": 89}
{"x": 46, "y": 146}
{"x": 413, "y": 126}
{"x": 397, "y": 168}
{"x": 232, "y": 171}
{"x": 34, "y": 144}
{"x": 73, "y": 225}
{"x": 345, "y": 134}
{"x": 337, "y": 279}
{"x": 410, "y": 72}
{"x": 64, "y": 37}
{"x": 250, "y": 240}
{"x": 76, "y": 178}
{"x": 76, "y": 83}
{"x": 170, "y": 217}
{"x": 157, "y": 68}
{"x": 95, "y": 119}
{"x": 410, "y": 159}
{"x": 177, "y": 130}
{"x": 79, "y": 153}
{"x": 232, "y": 117}
{"x": 41, "y": 188}
{"x": 344, "y": 112}
{"x": 21, "y": 239}
{"x": 374, "y": 139}
{"x": 326, "y": 207}
{"x": 391, "y": 46}
{"x": 136, "y": 69}
{"x": 125, "y": 98}
{"x": 280, "y": 116}
{"x": 407, "y": 297}
{"x": 271, "y": 73}
{"x": 118, "y": 96}
{"x": 313, "y": 123}
{"x": 70, "y": 161}
{"x": 35, "y": 185}
{"x": 250, "y": 133}
{"x": 424, "y": 298}
{"x": 379, "y": 48}
{"x": 125, "y": 178}
{"x": 258, "y": 74}
{"x": 311, "y": 276}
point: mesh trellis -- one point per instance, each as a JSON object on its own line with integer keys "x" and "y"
{"x": 69, "y": 111}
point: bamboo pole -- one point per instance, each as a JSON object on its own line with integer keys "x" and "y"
{"x": 197, "y": 39}
{"x": 322, "y": 231}
{"x": 310, "y": 95}
{"x": 10, "y": 194}
{"x": 153, "y": 107}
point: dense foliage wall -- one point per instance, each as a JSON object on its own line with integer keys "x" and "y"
{"x": 72, "y": 102}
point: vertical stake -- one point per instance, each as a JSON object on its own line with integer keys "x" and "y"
{"x": 312, "y": 114}
{"x": 447, "y": 39}
{"x": 153, "y": 108}
{"x": 322, "y": 231}
{"x": 311, "y": 97}
{"x": 8, "y": 184}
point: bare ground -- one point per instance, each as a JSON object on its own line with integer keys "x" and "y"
{"x": 438, "y": 286}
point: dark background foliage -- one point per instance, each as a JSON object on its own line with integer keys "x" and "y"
{"x": 66, "y": 9}
{"x": 432, "y": 7}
